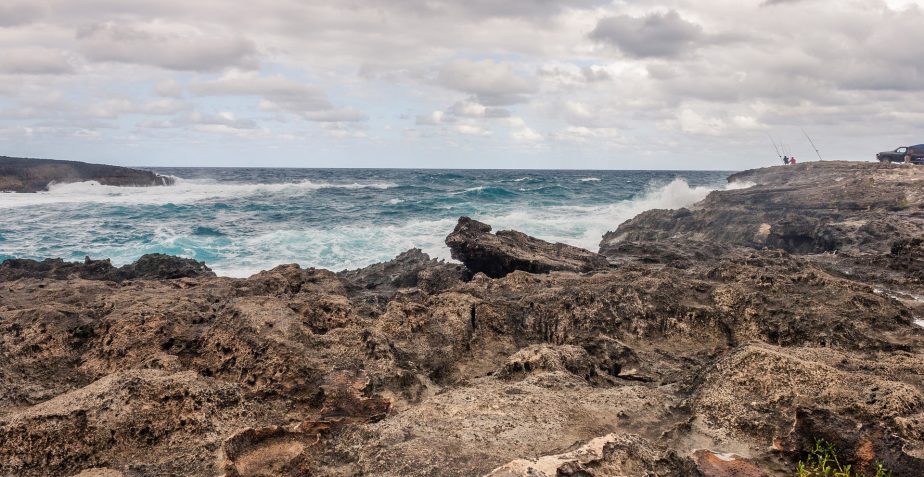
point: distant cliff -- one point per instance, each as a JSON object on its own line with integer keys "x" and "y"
{"x": 32, "y": 175}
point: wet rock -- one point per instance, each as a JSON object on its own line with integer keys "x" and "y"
{"x": 498, "y": 254}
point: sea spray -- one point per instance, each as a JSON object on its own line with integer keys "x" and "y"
{"x": 241, "y": 221}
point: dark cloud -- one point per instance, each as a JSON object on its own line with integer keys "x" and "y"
{"x": 653, "y": 35}
{"x": 14, "y": 13}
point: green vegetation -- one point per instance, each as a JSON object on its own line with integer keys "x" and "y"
{"x": 822, "y": 462}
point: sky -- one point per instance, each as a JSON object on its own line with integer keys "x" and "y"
{"x": 575, "y": 84}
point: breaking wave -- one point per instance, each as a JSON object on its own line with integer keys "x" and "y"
{"x": 335, "y": 220}
{"x": 183, "y": 191}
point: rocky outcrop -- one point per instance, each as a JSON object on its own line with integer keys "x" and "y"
{"x": 32, "y": 175}
{"x": 809, "y": 208}
{"x": 155, "y": 266}
{"x": 686, "y": 355}
{"x": 411, "y": 269}
{"x": 498, "y": 254}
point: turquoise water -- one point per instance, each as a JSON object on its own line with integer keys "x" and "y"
{"x": 241, "y": 221}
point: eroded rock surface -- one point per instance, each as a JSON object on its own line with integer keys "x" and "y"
{"x": 498, "y": 254}
{"x": 686, "y": 355}
{"x": 153, "y": 266}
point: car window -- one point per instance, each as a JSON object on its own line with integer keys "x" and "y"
{"x": 901, "y": 150}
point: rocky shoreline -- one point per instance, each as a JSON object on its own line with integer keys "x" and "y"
{"x": 19, "y": 174}
{"x": 717, "y": 340}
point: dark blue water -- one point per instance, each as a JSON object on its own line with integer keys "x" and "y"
{"x": 240, "y": 221}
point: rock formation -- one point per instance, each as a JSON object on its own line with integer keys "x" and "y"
{"x": 150, "y": 266}
{"x": 32, "y": 175}
{"x": 696, "y": 349}
{"x": 498, "y": 254}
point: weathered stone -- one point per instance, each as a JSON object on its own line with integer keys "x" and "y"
{"x": 498, "y": 254}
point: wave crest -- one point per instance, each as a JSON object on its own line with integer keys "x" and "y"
{"x": 183, "y": 191}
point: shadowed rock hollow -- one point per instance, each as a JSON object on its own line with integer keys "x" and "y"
{"x": 693, "y": 348}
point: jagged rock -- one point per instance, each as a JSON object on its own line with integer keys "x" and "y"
{"x": 611, "y": 455}
{"x": 112, "y": 420}
{"x": 32, "y": 175}
{"x": 808, "y": 208}
{"x": 155, "y": 266}
{"x": 498, "y": 254}
{"x": 756, "y": 391}
{"x": 159, "y": 266}
{"x": 570, "y": 358}
{"x": 409, "y": 369}
{"x": 864, "y": 445}
{"x": 408, "y": 270}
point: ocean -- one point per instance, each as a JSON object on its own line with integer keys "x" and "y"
{"x": 243, "y": 220}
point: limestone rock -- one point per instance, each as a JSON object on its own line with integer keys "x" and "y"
{"x": 498, "y": 254}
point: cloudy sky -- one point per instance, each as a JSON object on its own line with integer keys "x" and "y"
{"x": 682, "y": 84}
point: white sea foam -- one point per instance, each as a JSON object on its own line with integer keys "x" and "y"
{"x": 590, "y": 179}
{"x": 739, "y": 185}
{"x": 349, "y": 245}
{"x": 182, "y": 192}
{"x": 584, "y": 226}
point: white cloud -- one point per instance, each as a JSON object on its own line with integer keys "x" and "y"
{"x": 489, "y": 82}
{"x": 279, "y": 93}
{"x": 472, "y": 130}
{"x": 584, "y": 75}
{"x": 173, "y": 46}
{"x": 35, "y": 61}
{"x": 169, "y": 87}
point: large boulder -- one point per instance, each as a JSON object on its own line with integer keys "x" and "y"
{"x": 498, "y": 254}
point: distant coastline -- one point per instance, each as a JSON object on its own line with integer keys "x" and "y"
{"x": 19, "y": 174}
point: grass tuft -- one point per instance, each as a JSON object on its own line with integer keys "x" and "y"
{"x": 822, "y": 461}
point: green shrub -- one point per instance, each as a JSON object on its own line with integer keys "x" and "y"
{"x": 822, "y": 462}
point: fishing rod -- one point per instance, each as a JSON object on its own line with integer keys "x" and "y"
{"x": 777, "y": 149}
{"x": 812, "y": 143}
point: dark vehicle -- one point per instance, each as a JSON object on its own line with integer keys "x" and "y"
{"x": 910, "y": 154}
